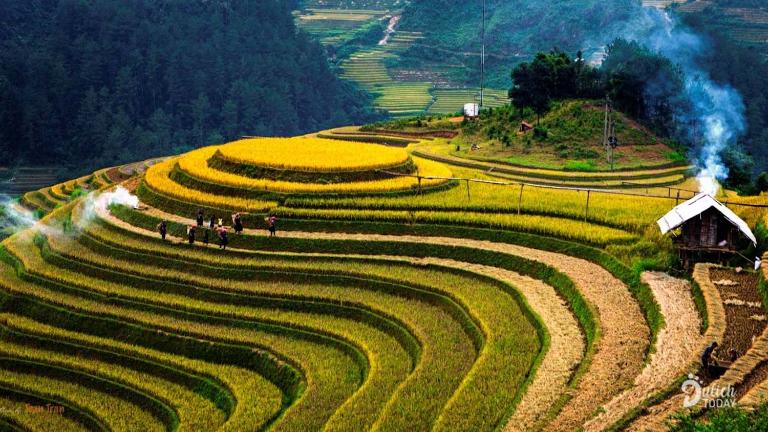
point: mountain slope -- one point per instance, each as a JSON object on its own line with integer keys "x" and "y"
{"x": 515, "y": 30}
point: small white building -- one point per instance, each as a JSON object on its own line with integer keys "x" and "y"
{"x": 471, "y": 110}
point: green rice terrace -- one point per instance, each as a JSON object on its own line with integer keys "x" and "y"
{"x": 419, "y": 289}
{"x": 366, "y": 37}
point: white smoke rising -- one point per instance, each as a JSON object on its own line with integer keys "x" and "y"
{"x": 15, "y": 216}
{"x": 712, "y": 117}
{"x": 100, "y": 202}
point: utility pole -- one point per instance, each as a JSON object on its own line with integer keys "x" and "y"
{"x": 610, "y": 141}
{"x": 482, "y": 60}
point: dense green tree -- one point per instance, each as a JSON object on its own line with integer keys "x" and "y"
{"x": 552, "y": 76}
{"x": 530, "y": 89}
{"x": 643, "y": 84}
{"x": 762, "y": 182}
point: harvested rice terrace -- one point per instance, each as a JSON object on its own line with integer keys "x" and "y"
{"x": 23, "y": 180}
{"x": 48, "y": 198}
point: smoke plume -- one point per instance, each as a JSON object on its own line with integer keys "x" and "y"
{"x": 13, "y": 216}
{"x": 711, "y": 116}
{"x": 97, "y": 202}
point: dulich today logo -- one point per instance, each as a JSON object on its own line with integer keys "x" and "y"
{"x": 712, "y": 396}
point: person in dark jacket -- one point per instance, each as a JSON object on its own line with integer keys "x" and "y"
{"x": 272, "y": 224}
{"x": 237, "y": 222}
{"x": 223, "y": 239}
{"x": 191, "y": 234}
{"x": 707, "y": 360}
{"x": 205, "y": 236}
{"x": 213, "y": 222}
{"x": 200, "y": 218}
{"x": 162, "y": 227}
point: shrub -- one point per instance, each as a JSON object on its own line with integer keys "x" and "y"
{"x": 582, "y": 153}
{"x": 582, "y": 166}
{"x": 725, "y": 419}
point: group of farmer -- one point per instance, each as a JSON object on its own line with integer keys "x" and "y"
{"x": 217, "y": 226}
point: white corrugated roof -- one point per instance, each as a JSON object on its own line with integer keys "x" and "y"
{"x": 696, "y": 206}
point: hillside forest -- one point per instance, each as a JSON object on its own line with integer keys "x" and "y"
{"x": 109, "y": 82}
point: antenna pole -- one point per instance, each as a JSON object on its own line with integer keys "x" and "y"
{"x": 482, "y": 60}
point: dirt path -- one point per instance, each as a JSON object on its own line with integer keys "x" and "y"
{"x": 676, "y": 348}
{"x": 390, "y": 30}
{"x": 624, "y": 339}
{"x": 139, "y": 167}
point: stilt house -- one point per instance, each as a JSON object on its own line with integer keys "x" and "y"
{"x": 703, "y": 225}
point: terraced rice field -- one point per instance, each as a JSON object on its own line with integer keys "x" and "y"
{"x": 675, "y": 178}
{"x": 335, "y": 26}
{"x": 449, "y": 101}
{"x": 403, "y": 349}
{"x": 375, "y": 308}
{"x": 398, "y": 92}
{"x": 733, "y": 312}
{"x": 367, "y": 68}
{"x": 408, "y": 98}
{"x": 47, "y": 199}
{"x": 24, "y": 180}
{"x": 403, "y": 98}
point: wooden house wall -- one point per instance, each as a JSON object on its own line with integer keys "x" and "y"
{"x": 708, "y": 231}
